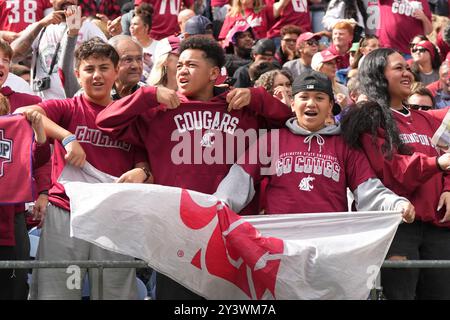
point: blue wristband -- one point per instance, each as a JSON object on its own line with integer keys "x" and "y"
{"x": 68, "y": 140}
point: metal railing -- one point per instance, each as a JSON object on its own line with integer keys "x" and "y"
{"x": 100, "y": 265}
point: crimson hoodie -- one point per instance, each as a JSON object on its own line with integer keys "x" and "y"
{"x": 184, "y": 144}
{"x": 417, "y": 176}
{"x": 311, "y": 173}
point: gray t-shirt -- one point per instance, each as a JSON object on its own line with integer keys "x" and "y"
{"x": 426, "y": 79}
{"x": 296, "y": 68}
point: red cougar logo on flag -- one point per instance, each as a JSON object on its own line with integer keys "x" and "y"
{"x": 236, "y": 250}
{"x": 5, "y": 151}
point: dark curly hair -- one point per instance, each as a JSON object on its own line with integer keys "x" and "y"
{"x": 97, "y": 48}
{"x": 212, "y": 50}
{"x": 375, "y": 113}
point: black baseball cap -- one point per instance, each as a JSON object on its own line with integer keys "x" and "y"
{"x": 315, "y": 81}
{"x": 264, "y": 46}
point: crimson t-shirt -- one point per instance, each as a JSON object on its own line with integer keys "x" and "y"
{"x": 165, "y": 17}
{"x": 296, "y": 13}
{"x": 258, "y": 21}
{"x": 77, "y": 115}
{"x": 397, "y": 24}
{"x": 16, "y": 15}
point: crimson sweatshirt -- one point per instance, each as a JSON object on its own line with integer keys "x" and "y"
{"x": 311, "y": 173}
{"x": 41, "y": 169}
{"x": 417, "y": 176}
{"x": 184, "y": 145}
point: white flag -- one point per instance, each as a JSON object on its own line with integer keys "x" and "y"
{"x": 195, "y": 240}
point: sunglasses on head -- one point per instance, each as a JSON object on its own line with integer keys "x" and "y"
{"x": 412, "y": 44}
{"x": 421, "y": 50}
{"x": 419, "y": 107}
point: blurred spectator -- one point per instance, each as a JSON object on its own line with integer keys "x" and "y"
{"x": 420, "y": 98}
{"x": 307, "y": 45}
{"x": 287, "y": 51}
{"x": 263, "y": 50}
{"x": 198, "y": 25}
{"x": 342, "y": 36}
{"x": 441, "y": 88}
{"x": 288, "y": 12}
{"x": 184, "y": 16}
{"x": 443, "y": 41}
{"x": 219, "y": 9}
{"x": 426, "y": 61}
{"x": 165, "y": 19}
{"x": 165, "y": 63}
{"x": 44, "y": 38}
{"x": 256, "y": 69}
{"x": 241, "y": 39}
{"x": 401, "y": 20}
{"x": 339, "y": 10}
{"x": 108, "y": 8}
{"x": 278, "y": 83}
{"x": 366, "y": 45}
{"x": 325, "y": 62}
{"x": 254, "y": 12}
{"x": 15, "y": 16}
{"x": 353, "y": 89}
{"x": 140, "y": 27}
{"x": 22, "y": 71}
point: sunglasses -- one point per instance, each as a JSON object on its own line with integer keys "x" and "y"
{"x": 421, "y": 50}
{"x": 419, "y": 107}
{"x": 289, "y": 40}
{"x": 312, "y": 42}
{"x": 412, "y": 45}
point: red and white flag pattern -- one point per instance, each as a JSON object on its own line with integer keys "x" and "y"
{"x": 197, "y": 241}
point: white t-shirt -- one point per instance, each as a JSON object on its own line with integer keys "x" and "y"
{"x": 18, "y": 84}
{"x": 47, "y": 45}
{"x": 149, "y": 52}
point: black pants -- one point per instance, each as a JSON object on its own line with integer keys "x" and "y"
{"x": 167, "y": 289}
{"x": 418, "y": 241}
{"x": 14, "y": 282}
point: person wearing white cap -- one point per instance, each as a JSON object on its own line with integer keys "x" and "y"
{"x": 165, "y": 63}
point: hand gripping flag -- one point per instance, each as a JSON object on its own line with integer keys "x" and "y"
{"x": 197, "y": 241}
{"x": 16, "y": 138}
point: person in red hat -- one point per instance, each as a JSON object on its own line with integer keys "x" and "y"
{"x": 307, "y": 45}
{"x": 426, "y": 62}
{"x": 325, "y": 62}
{"x": 238, "y": 44}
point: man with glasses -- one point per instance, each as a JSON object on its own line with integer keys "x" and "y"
{"x": 286, "y": 52}
{"x": 307, "y": 45}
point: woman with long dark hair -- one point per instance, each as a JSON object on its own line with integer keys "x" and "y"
{"x": 396, "y": 141}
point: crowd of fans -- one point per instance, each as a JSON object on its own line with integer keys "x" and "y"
{"x": 379, "y": 70}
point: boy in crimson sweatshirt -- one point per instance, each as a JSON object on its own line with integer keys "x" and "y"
{"x": 192, "y": 138}
{"x": 14, "y": 241}
{"x": 71, "y": 122}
